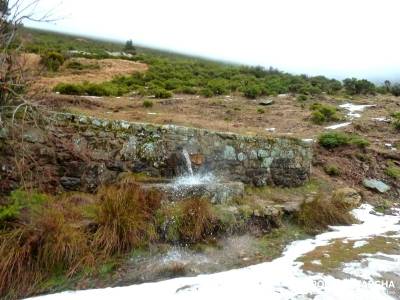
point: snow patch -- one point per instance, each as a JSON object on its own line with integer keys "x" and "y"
{"x": 281, "y": 278}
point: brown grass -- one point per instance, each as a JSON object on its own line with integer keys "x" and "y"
{"x": 49, "y": 243}
{"x": 197, "y": 220}
{"x": 318, "y": 214}
{"x": 125, "y": 218}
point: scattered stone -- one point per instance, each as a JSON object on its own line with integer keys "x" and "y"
{"x": 266, "y": 102}
{"x": 376, "y": 185}
{"x": 70, "y": 183}
{"x": 34, "y": 135}
{"x": 350, "y": 197}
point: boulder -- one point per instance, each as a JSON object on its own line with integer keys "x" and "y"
{"x": 377, "y": 185}
{"x": 266, "y": 102}
{"x": 350, "y": 197}
{"x": 70, "y": 183}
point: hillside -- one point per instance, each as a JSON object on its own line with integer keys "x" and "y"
{"x": 123, "y": 165}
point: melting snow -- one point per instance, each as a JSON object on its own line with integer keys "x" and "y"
{"x": 336, "y": 126}
{"x": 281, "y": 278}
{"x": 354, "y": 109}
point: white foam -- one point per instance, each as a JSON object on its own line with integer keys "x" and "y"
{"x": 281, "y": 278}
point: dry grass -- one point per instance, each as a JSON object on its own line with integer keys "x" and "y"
{"x": 125, "y": 218}
{"x": 50, "y": 242}
{"x": 318, "y": 214}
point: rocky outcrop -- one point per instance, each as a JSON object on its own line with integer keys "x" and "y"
{"x": 86, "y": 152}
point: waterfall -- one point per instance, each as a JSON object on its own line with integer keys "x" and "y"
{"x": 187, "y": 162}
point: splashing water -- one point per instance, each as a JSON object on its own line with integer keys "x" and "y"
{"x": 188, "y": 162}
{"x": 194, "y": 179}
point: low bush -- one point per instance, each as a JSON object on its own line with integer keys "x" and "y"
{"x": 323, "y": 113}
{"x": 148, "y": 103}
{"x": 252, "y": 91}
{"x": 302, "y": 98}
{"x": 332, "y": 170}
{"x": 395, "y": 90}
{"x": 396, "y": 120}
{"x": 91, "y": 89}
{"x": 206, "y": 92}
{"x": 260, "y": 110}
{"x": 161, "y": 93}
{"x": 320, "y": 213}
{"x": 18, "y": 201}
{"x": 76, "y": 65}
{"x": 332, "y": 140}
{"x": 52, "y": 61}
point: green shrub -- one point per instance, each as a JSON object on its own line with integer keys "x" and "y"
{"x": 332, "y": 140}
{"x": 148, "y": 103}
{"x": 395, "y": 90}
{"x": 207, "y": 92}
{"x": 218, "y": 86}
{"x": 18, "y": 201}
{"x": 396, "y": 120}
{"x": 52, "y": 61}
{"x": 355, "y": 86}
{"x": 332, "y": 170}
{"x": 318, "y": 117}
{"x": 252, "y": 91}
{"x": 69, "y": 89}
{"x": 302, "y": 98}
{"x": 76, "y": 65}
{"x": 260, "y": 110}
{"x": 161, "y": 93}
{"x": 323, "y": 113}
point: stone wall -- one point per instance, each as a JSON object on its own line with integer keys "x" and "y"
{"x": 86, "y": 152}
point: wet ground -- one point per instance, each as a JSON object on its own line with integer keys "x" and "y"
{"x": 360, "y": 261}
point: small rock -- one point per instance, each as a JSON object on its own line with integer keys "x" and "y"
{"x": 70, "y": 183}
{"x": 266, "y": 102}
{"x": 376, "y": 185}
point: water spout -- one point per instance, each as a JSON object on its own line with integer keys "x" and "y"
{"x": 188, "y": 162}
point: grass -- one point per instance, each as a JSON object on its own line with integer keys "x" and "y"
{"x": 49, "y": 242}
{"x": 125, "y": 218}
{"x": 332, "y": 170}
{"x": 318, "y": 214}
{"x": 336, "y": 139}
{"x": 393, "y": 171}
{"x": 188, "y": 221}
{"x": 334, "y": 255}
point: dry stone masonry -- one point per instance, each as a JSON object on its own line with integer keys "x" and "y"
{"x": 80, "y": 153}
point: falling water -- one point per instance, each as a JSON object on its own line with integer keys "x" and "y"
{"x": 188, "y": 162}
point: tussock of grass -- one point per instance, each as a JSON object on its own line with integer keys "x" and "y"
{"x": 49, "y": 243}
{"x": 125, "y": 218}
{"x": 320, "y": 213}
{"x": 189, "y": 221}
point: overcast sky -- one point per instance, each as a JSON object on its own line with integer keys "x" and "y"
{"x": 336, "y": 38}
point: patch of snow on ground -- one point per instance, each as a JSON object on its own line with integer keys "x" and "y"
{"x": 359, "y": 244}
{"x": 281, "y": 278}
{"x": 336, "y": 126}
{"x": 354, "y": 109}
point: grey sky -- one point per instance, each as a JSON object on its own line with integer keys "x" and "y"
{"x": 332, "y": 37}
